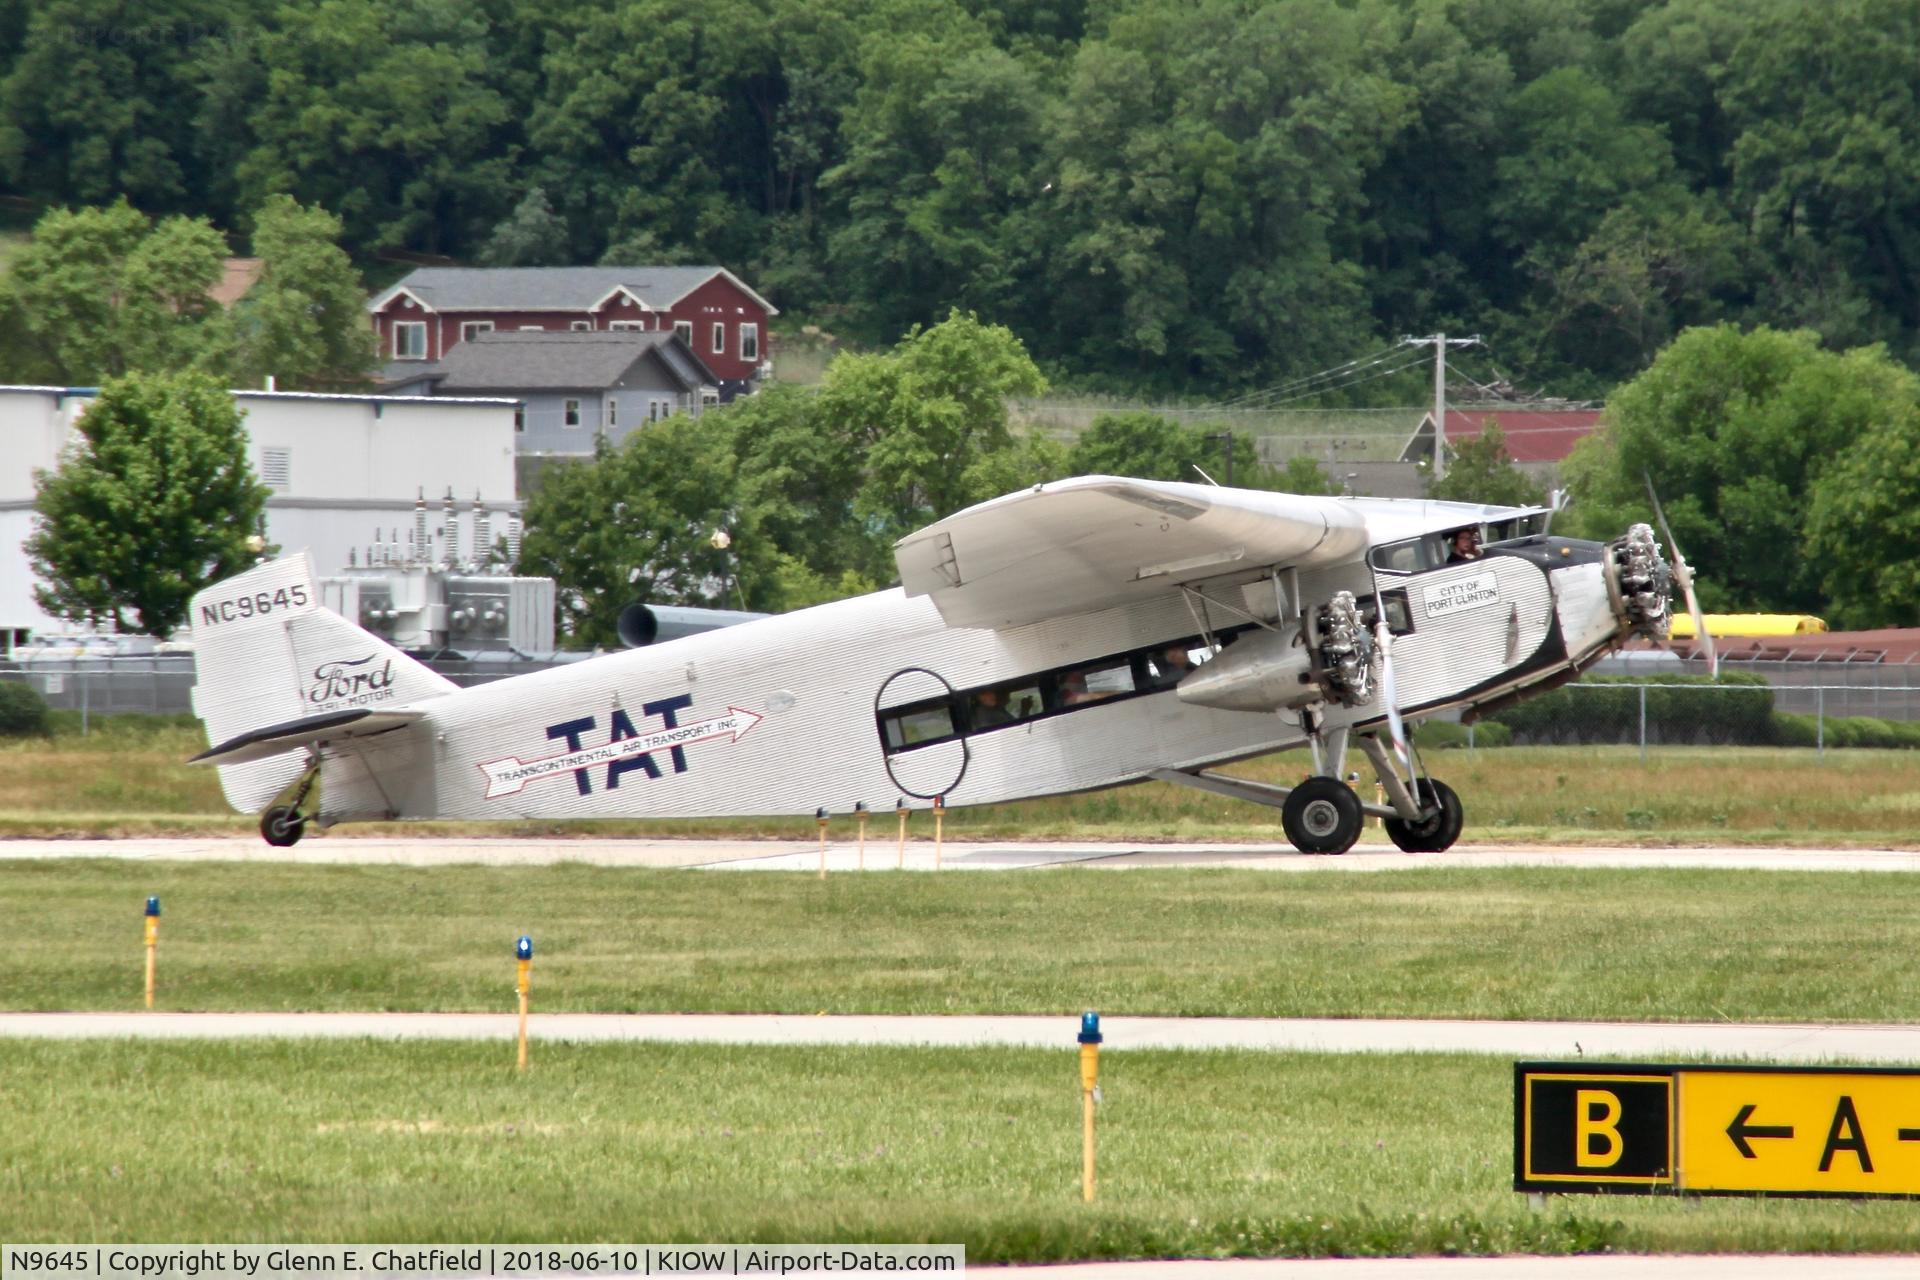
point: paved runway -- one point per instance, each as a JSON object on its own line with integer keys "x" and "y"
{"x": 1776, "y": 1042}
{"x": 843, "y": 854}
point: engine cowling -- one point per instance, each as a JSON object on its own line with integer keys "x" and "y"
{"x": 1276, "y": 670}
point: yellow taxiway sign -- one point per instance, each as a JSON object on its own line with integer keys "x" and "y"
{"x": 1786, "y": 1131}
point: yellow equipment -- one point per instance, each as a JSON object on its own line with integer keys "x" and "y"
{"x": 1748, "y": 624}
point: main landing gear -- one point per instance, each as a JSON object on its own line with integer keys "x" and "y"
{"x": 1324, "y": 815}
{"x": 283, "y": 824}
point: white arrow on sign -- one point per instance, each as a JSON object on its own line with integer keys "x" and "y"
{"x": 507, "y": 777}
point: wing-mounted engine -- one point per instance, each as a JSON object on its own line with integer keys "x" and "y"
{"x": 1345, "y": 667}
{"x": 1639, "y": 583}
{"x": 1272, "y": 670}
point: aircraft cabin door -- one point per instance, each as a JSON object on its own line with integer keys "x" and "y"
{"x": 921, "y": 733}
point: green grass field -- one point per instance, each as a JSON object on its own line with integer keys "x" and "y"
{"x": 129, "y": 778}
{"x": 1526, "y": 943}
{"x": 1200, "y": 1153}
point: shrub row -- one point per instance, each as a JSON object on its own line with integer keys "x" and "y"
{"x": 22, "y": 710}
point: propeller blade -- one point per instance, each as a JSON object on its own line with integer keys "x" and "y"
{"x": 1396, "y": 728}
{"x": 1683, "y": 574}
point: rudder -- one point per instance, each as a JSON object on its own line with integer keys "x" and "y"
{"x": 267, "y": 652}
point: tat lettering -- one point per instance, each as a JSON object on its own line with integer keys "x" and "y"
{"x": 620, "y": 729}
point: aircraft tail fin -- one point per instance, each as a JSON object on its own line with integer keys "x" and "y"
{"x": 266, "y": 652}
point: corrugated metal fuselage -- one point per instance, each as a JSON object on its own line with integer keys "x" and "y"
{"x": 781, "y": 716}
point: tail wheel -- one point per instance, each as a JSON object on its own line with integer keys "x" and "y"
{"x": 1438, "y": 829}
{"x": 282, "y": 826}
{"x": 1322, "y": 815}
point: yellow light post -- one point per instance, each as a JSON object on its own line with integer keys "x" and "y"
{"x": 820, "y": 817}
{"x": 1089, "y": 1094}
{"x": 900, "y": 853}
{"x": 939, "y": 822}
{"x": 523, "y": 961}
{"x": 153, "y": 943}
{"x": 860, "y": 812}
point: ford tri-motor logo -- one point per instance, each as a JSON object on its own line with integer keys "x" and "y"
{"x": 355, "y": 683}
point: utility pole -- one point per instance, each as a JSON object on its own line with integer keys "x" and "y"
{"x": 1440, "y": 343}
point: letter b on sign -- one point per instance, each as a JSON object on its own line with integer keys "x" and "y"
{"x": 1596, "y": 1124}
{"x": 1591, "y": 1127}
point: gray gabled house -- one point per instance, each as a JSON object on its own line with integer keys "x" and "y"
{"x": 574, "y": 388}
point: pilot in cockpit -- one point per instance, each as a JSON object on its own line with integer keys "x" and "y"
{"x": 1463, "y": 546}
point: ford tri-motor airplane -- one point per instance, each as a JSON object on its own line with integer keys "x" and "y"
{"x": 1080, "y": 634}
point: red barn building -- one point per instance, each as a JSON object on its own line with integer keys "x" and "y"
{"x": 1538, "y": 440}
{"x": 430, "y": 312}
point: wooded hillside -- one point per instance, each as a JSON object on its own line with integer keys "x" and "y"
{"x": 1188, "y": 195}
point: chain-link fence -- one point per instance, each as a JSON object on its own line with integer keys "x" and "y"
{"x": 1678, "y": 711}
{"x": 1864, "y": 708}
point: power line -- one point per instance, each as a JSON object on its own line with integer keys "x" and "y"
{"x": 1357, "y": 362}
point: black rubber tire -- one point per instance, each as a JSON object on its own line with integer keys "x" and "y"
{"x": 1322, "y": 815}
{"x": 282, "y": 826}
{"x": 1435, "y": 833}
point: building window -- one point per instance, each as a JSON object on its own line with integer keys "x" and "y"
{"x": 709, "y": 397}
{"x": 683, "y": 330}
{"x": 468, "y": 328}
{"x": 520, "y": 420}
{"x": 719, "y": 339}
{"x": 626, "y": 326}
{"x": 653, "y": 411}
{"x": 533, "y": 328}
{"x": 571, "y": 414}
{"x": 582, "y": 326}
{"x": 276, "y": 467}
{"x": 613, "y": 412}
{"x": 410, "y": 340}
{"x": 750, "y": 342}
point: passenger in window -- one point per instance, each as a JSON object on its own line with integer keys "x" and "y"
{"x": 989, "y": 710}
{"x": 1169, "y": 665}
{"x": 1465, "y": 546}
{"x": 1073, "y": 690}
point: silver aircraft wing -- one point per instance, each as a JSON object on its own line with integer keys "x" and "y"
{"x": 1094, "y": 542}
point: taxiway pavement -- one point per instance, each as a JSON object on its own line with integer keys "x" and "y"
{"x": 882, "y": 854}
{"x": 1776, "y": 1042}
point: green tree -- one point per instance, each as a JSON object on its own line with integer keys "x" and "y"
{"x": 1481, "y": 470}
{"x": 1863, "y": 528}
{"x": 1150, "y": 447}
{"x": 1825, "y": 170}
{"x": 1208, "y": 162}
{"x": 99, "y": 102}
{"x": 924, "y": 416}
{"x": 153, "y": 501}
{"x": 1736, "y": 430}
{"x": 104, "y": 291}
{"x": 533, "y": 235}
{"x": 637, "y": 523}
{"x": 384, "y": 113}
{"x": 304, "y": 322}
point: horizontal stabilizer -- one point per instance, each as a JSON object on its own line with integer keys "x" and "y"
{"x": 328, "y": 726}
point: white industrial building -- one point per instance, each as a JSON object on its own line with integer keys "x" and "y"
{"x": 346, "y": 473}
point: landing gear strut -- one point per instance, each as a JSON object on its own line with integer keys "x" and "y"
{"x": 282, "y": 825}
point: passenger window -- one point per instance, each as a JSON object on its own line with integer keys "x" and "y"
{"x": 924, "y": 724}
{"x": 1091, "y": 684}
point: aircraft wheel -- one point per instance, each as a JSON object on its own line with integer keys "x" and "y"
{"x": 282, "y": 826}
{"x": 1436, "y": 832}
{"x": 1322, "y": 815}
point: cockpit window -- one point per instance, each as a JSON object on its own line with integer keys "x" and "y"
{"x": 1415, "y": 555}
